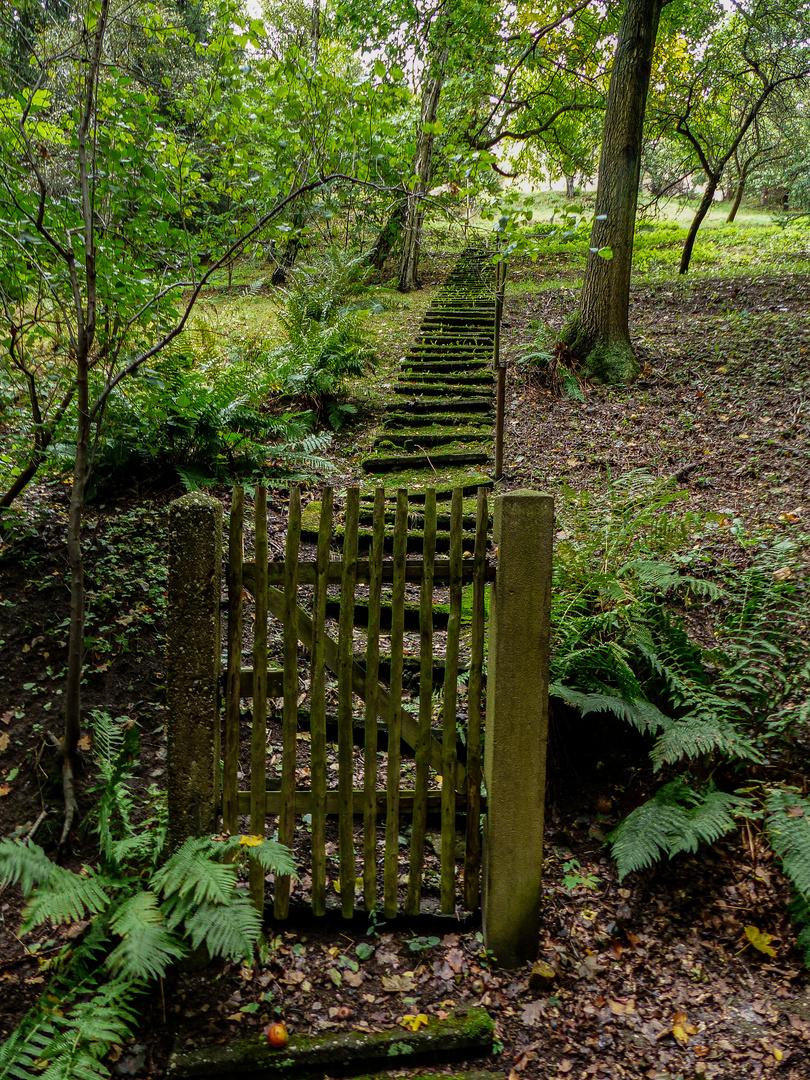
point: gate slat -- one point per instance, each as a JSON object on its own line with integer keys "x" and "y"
{"x": 372, "y": 687}
{"x": 289, "y": 723}
{"x": 258, "y": 740}
{"x": 472, "y": 856}
{"x": 448, "y": 847}
{"x": 230, "y": 752}
{"x": 417, "y": 857}
{"x": 344, "y": 712}
{"x": 391, "y": 871}
{"x": 317, "y": 709}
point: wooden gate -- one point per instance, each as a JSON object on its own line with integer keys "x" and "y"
{"x": 330, "y": 781}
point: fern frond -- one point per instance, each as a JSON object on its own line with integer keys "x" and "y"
{"x": 787, "y": 823}
{"x": 642, "y": 714}
{"x": 192, "y": 871}
{"x": 66, "y": 897}
{"x": 228, "y": 930}
{"x": 699, "y": 735}
{"x": 675, "y": 819}
{"x": 147, "y": 948}
{"x": 23, "y": 863}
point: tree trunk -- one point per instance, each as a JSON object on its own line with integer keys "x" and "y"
{"x": 600, "y": 334}
{"x": 702, "y": 211}
{"x": 738, "y": 194}
{"x": 422, "y": 165}
{"x": 382, "y": 246}
{"x": 570, "y": 186}
{"x": 72, "y": 729}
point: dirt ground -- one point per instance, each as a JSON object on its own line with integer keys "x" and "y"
{"x": 651, "y": 978}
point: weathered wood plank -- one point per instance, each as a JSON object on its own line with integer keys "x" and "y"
{"x": 417, "y": 853}
{"x": 303, "y": 802}
{"x": 448, "y": 874}
{"x": 413, "y": 572}
{"x": 391, "y": 864}
{"x": 317, "y": 709}
{"x": 344, "y": 708}
{"x": 372, "y": 694}
{"x": 289, "y": 722}
{"x": 258, "y": 739}
{"x": 472, "y": 854}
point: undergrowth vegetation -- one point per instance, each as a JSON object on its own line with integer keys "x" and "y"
{"x": 722, "y": 720}
{"x": 141, "y": 911}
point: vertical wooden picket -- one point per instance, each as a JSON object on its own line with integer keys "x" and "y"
{"x": 391, "y": 869}
{"x": 317, "y": 709}
{"x": 345, "y": 718}
{"x": 418, "y": 827}
{"x": 448, "y": 847}
{"x": 472, "y": 858}
{"x": 230, "y": 751}
{"x": 372, "y": 672}
{"x": 289, "y": 726}
{"x": 258, "y": 742}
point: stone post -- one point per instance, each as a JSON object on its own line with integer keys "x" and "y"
{"x": 517, "y": 726}
{"x": 193, "y": 651}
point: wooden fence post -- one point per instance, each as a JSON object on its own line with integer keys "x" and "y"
{"x": 193, "y": 663}
{"x": 517, "y": 726}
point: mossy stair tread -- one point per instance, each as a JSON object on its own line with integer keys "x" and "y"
{"x": 395, "y": 421}
{"x": 418, "y": 483}
{"x": 417, "y": 440}
{"x": 432, "y": 462}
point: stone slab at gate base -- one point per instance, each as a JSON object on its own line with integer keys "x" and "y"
{"x": 193, "y": 665}
{"x": 517, "y": 726}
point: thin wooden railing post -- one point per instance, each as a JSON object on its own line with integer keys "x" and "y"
{"x": 517, "y": 726}
{"x": 344, "y": 712}
{"x": 193, "y": 665}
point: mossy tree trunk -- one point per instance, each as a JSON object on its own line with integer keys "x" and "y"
{"x": 422, "y": 168}
{"x": 599, "y": 334}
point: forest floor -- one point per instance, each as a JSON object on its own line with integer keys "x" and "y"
{"x": 653, "y": 979}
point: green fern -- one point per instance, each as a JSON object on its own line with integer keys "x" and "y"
{"x": 141, "y": 921}
{"x": 787, "y": 823}
{"x": 643, "y": 715}
{"x": 676, "y": 819}
{"x": 147, "y": 947}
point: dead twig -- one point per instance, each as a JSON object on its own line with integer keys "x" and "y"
{"x": 684, "y": 471}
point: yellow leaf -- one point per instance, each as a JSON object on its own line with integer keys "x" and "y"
{"x": 4, "y": 790}
{"x": 84, "y": 742}
{"x": 251, "y": 841}
{"x": 680, "y": 1034}
{"x": 777, "y": 1053}
{"x": 413, "y": 1021}
{"x": 760, "y": 940}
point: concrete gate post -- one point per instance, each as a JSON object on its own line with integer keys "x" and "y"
{"x": 193, "y": 663}
{"x": 517, "y": 726}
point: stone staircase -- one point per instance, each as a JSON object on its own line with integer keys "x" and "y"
{"x": 440, "y": 420}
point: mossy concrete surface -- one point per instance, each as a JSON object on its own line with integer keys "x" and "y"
{"x": 193, "y": 665}
{"x": 465, "y": 1034}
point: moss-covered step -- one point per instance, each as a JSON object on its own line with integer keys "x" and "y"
{"x": 396, "y": 420}
{"x": 452, "y": 378}
{"x": 359, "y": 738}
{"x": 438, "y": 365}
{"x": 411, "y": 668}
{"x": 418, "y": 483}
{"x": 387, "y": 464}
{"x": 414, "y": 544}
{"x": 415, "y": 440}
{"x": 440, "y": 389}
{"x": 465, "y": 1034}
{"x": 442, "y": 406}
{"x": 441, "y": 613}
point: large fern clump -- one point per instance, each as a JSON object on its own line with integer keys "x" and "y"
{"x": 201, "y": 411}
{"x": 621, "y": 589}
{"x": 144, "y": 914}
